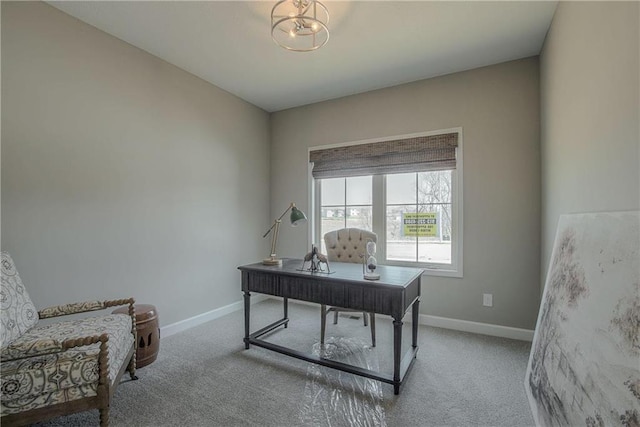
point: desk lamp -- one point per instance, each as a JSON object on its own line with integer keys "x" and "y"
{"x": 297, "y": 217}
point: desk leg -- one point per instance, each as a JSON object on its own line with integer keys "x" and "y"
{"x": 414, "y": 320}
{"x": 372, "y": 319}
{"x": 286, "y": 310}
{"x": 397, "y": 344}
{"x": 323, "y": 322}
{"x": 247, "y": 308}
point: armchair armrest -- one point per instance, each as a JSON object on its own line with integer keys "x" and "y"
{"x": 46, "y": 346}
{"x": 82, "y": 307}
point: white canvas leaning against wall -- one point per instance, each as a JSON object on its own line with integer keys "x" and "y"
{"x": 584, "y": 367}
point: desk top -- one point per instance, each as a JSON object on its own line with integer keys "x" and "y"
{"x": 341, "y": 272}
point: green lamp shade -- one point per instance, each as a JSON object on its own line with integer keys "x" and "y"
{"x": 297, "y": 217}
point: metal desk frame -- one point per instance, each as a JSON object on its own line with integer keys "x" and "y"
{"x": 396, "y": 291}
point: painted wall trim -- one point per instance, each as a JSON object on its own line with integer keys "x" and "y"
{"x": 459, "y": 325}
{"x": 477, "y": 327}
{"x": 424, "y": 319}
{"x": 208, "y": 316}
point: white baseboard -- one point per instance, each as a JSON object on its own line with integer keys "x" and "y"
{"x": 463, "y": 325}
{"x": 477, "y": 328}
{"x": 199, "y": 319}
{"x": 424, "y": 319}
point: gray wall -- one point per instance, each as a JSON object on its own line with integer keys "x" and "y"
{"x": 589, "y": 121}
{"x": 123, "y": 175}
{"x": 498, "y": 109}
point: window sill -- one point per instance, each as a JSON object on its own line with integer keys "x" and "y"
{"x": 429, "y": 269}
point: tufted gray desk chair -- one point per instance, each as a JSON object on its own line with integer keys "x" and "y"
{"x": 347, "y": 245}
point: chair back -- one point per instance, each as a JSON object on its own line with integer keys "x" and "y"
{"x": 18, "y": 313}
{"x": 348, "y": 244}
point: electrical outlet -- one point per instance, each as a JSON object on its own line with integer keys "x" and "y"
{"x": 487, "y": 300}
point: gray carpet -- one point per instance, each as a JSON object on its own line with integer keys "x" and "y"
{"x": 204, "y": 377}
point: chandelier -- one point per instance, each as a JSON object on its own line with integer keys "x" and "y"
{"x": 300, "y": 25}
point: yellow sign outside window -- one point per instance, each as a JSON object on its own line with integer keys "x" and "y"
{"x": 423, "y": 224}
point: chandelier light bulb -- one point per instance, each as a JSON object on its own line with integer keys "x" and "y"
{"x": 300, "y": 25}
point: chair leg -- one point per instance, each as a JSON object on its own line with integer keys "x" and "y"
{"x": 132, "y": 367}
{"x": 323, "y": 322}
{"x": 364, "y": 318}
{"x": 104, "y": 417}
{"x": 373, "y": 329}
{"x": 335, "y": 317}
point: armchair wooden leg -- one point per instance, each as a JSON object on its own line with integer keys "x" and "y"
{"x": 364, "y": 319}
{"x": 132, "y": 367}
{"x": 335, "y": 317}
{"x": 104, "y": 417}
{"x": 323, "y": 322}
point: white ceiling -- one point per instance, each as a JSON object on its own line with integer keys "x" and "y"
{"x": 373, "y": 44}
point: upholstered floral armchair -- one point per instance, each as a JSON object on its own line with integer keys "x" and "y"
{"x": 64, "y": 367}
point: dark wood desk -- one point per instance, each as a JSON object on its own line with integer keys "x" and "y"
{"x": 396, "y": 291}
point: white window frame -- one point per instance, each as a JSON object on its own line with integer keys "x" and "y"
{"x": 379, "y": 209}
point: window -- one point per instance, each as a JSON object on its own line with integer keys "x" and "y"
{"x": 418, "y": 217}
{"x": 345, "y": 202}
{"x": 416, "y": 214}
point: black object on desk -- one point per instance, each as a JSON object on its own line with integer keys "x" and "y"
{"x": 396, "y": 291}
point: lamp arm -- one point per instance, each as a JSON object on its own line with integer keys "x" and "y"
{"x": 269, "y": 230}
{"x": 277, "y": 221}
{"x": 274, "y": 239}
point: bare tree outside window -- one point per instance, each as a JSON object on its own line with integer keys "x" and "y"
{"x": 434, "y": 192}
{"x": 428, "y": 193}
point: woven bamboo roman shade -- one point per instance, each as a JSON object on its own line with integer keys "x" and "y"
{"x": 419, "y": 154}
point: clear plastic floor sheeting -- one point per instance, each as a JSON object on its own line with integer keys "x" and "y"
{"x": 334, "y": 398}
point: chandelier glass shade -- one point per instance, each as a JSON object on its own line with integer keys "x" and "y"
{"x": 300, "y": 25}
